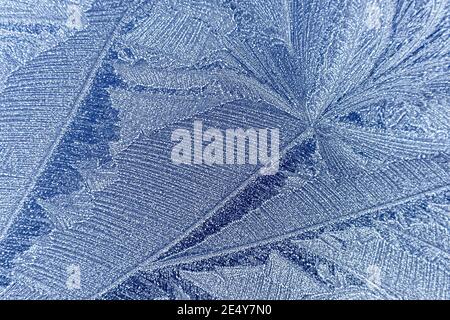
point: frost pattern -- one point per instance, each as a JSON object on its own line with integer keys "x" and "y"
{"x": 90, "y": 92}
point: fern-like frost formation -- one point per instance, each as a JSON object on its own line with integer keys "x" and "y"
{"x": 93, "y": 207}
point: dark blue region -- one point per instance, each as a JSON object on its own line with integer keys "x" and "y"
{"x": 160, "y": 284}
{"x": 306, "y": 261}
{"x": 87, "y": 139}
{"x": 252, "y": 197}
{"x": 166, "y": 283}
{"x": 34, "y": 28}
{"x": 352, "y": 117}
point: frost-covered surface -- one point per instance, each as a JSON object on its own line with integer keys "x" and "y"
{"x": 90, "y": 92}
